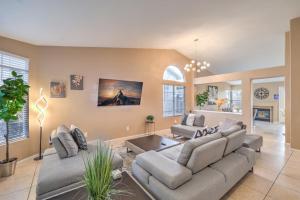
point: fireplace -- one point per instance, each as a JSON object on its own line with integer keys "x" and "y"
{"x": 263, "y": 113}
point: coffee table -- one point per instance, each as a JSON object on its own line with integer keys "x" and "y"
{"x": 126, "y": 183}
{"x": 150, "y": 142}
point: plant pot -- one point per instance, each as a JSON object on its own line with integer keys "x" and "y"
{"x": 8, "y": 168}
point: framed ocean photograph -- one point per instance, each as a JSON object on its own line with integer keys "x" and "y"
{"x": 76, "y": 82}
{"x": 57, "y": 89}
{"x": 119, "y": 93}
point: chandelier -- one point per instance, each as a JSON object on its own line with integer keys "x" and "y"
{"x": 196, "y": 64}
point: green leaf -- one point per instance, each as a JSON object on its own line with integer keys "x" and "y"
{"x": 14, "y": 74}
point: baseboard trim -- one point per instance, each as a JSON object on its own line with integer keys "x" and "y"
{"x": 28, "y": 158}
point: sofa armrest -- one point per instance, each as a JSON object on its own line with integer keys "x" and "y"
{"x": 167, "y": 171}
{"x": 249, "y": 153}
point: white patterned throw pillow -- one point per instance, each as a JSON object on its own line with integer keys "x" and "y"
{"x": 190, "y": 119}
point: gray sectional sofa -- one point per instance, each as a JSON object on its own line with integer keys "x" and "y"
{"x": 57, "y": 176}
{"x": 204, "y": 168}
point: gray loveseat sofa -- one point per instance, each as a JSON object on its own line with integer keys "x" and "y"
{"x": 201, "y": 169}
{"x": 57, "y": 176}
{"x": 188, "y": 131}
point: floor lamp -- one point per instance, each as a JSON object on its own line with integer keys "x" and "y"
{"x": 41, "y": 106}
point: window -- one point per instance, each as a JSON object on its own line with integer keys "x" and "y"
{"x": 8, "y": 63}
{"x": 172, "y": 73}
{"x": 173, "y": 95}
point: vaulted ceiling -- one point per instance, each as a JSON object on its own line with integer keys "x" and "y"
{"x": 234, "y": 35}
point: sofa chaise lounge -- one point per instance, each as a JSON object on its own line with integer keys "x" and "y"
{"x": 58, "y": 176}
{"x": 201, "y": 169}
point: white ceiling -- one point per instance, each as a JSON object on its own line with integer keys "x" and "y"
{"x": 235, "y": 35}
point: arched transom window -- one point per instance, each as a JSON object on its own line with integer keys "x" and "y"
{"x": 173, "y": 92}
{"x": 172, "y": 73}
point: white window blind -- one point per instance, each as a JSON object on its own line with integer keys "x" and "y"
{"x": 173, "y": 100}
{"x": 8, "y": 62}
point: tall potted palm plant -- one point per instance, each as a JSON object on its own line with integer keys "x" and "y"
{"x": 13, "y": 95}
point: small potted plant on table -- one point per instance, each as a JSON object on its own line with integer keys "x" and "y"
{"x": 150, "y": 118}
{"x": 13, "y": 94}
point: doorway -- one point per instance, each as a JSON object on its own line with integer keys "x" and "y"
{"x": 268, "y": 106}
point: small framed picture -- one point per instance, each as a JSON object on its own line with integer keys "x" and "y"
{"x": 76, "y": 82}
{"x": 57, "y": 89}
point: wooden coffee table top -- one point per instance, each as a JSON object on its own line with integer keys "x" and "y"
{"x": 153, "y": 142}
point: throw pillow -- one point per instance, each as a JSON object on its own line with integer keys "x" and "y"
{"x": 67, "y": 140}
{"x": 59, "y": 147}
{"x": 190, "y": 119}
{"x": 79, "y": 138}
{"x": 184, "y": 118}
{"x": 72, "y": 127}
{"x": 199, "y": 120}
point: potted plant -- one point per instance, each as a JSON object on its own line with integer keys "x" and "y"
{"x": 13, "y": 94}
{"x": 98, "y": 174}
{"x": 150, "y": 118}
{"x": 202, "y": 98}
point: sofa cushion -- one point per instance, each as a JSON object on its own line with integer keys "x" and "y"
{"x": 233, "y": 167}
{"x": 169, "y": 172}
{"x": 206, "y": 154}
{"x": 59, "y": 147}
{"x": 234, "y": 141}
{"x": 79, "y": 138}
{"x": 65, "y": 137}
{"x": 205, "y": 185}
{"x": 231, "y": 130}
{"x": 190, "y": 119}
{"x": 199, "y": 120}
{"x": 173, "y": 152}
{"x": 228, "y": 123}
{"x": 190, "y": 145}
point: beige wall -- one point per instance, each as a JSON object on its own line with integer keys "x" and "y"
{"x": 247, "y": 92}
{"x": 80, "y": 107}
{"x": 295, "y": 82}
{"x": 270, "y": 101}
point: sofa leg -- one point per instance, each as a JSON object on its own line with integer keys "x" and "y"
{"x": 258, "y": 150}
{"x": 251, "y": 170}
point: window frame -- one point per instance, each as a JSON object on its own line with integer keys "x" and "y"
{"x": 25, "y": 133}
{"x": 173, "y": 83}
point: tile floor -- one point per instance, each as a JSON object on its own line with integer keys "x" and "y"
{"x": 276, "y": 173}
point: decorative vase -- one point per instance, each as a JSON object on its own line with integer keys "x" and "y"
{"x": 8, "y": 168}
